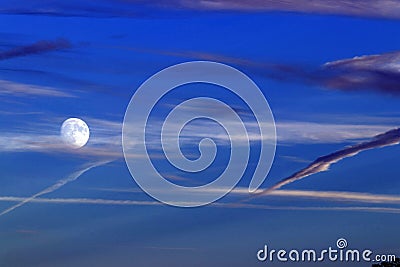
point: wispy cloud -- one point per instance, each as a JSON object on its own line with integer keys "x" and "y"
{"x": 35, "y": 48}
{"x": 377, "y": 72}
{"x": 364, "y": 8}
{"x": 295, "y": 159}
{"x": 96, "y": 201}
{"x": 23, "y": 89}
{"x": 27, "y": 232}
{"x": 105, "y": 139}
{"x": 130, "y": 8}
{"x": 370, "y": 72}
{"x": 336, "y": 196}
{"x": 85, "y": 8}
{"x": 65, "y": 80}
{"x": 43, "y": 135}
{"x": 72, "y": 177}
{"x": 339, "y": 196}
{"x": 302, "y": 208}
{"x": 323, "y": 163}
{"x": 290, "y": 132}
{"x": 314, "y": 132}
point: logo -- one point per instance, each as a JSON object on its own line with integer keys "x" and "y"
{"x": 144, "y": 103}
{"x": 340, "y": 253}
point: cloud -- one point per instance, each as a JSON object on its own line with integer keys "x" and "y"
{"x": 84, "y": 8}
{"x": 90, "y": 201}
{"x": 35, "y": 48}
{"x": 72, "y": 177}
{"x": 295, "y": 159}
{"x": 338, "y": 196}
{"x": 288, "y": 132}
{"x": 362, "y": 8}
{"x": 43, "y": 135}
{"x": 105, "y": 139}
{"x": 314, "y": 132}
{"x": 26, "y": 231}
{"x": 28, "y": 142}
{"x": 139, "y": 8}
{"x": 67, "y": 81}
{"x": 380, "y": 72}
{"x": 299, "y": 208}
{"x": 377, "y": 72}
{"x": 323, "y": 163}
{"x": 23, "y": 89}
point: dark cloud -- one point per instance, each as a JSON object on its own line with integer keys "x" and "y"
{"x": 75, "y": 8}
{"x": 35, "y": 48}
{"x": 374, "y": 72}
{"x": 132, "y": 8}
{"x": 377, "y": 72}
{"x": 323, "y": 163}
{"x": 362, "y": 8}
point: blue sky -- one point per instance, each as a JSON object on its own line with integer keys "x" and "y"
{"x": 330, "y": 72}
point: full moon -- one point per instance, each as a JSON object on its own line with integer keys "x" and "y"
{"x": 75, "y": 132}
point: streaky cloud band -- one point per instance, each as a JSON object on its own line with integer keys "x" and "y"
{"x": 35, "y": 48}
{"x": 323, "y": 163}
{"x": 96, "y": 201}
{"x": 389, "y": 9}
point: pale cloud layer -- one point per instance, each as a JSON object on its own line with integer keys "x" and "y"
{"x": 354, "y": 197}
{"x": 389, "y": 9}
{"x": 335, "y": 196}
{"x": 106, "y": 137}
{"x": 23, "y": 90}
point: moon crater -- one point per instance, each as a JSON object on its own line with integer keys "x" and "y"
{"x": 75, "y": 132}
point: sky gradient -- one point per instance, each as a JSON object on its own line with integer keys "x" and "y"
{"x": 330, "y": 71}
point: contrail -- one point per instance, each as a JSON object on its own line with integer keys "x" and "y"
{"x": 321, "y": 164}
{"x": 89, "y": 201}
{"x": 340, "y": 196}
{"x": 56, "y": 186}
{"x": 336, "y": 196}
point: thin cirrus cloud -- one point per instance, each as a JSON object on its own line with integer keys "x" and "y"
{"x": 18, "y": 89}
{"x": 289, "y": 131}
{"x": 44, "y": 136}
{"x": 22, "y": 89}
{"x": 105, "y": 140}
{"x": 362, "y": 8}
{"x": 54, "y": 77}
{"x": 389, "y": 9}
{"x": 323, "y": 163}
{"x": 93, "y": 201}
{"x": 39, "y": 47}
{"x": 337, "y": 196}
